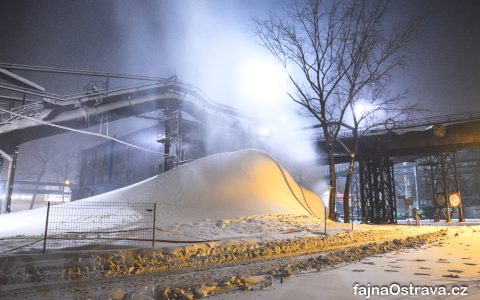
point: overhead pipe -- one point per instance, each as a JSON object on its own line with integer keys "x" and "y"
{"x": 78, "y": 72}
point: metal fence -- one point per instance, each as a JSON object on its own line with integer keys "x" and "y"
{"x": 92, "y": 224}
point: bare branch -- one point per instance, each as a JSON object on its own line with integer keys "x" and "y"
{"x": 336, "y": 55}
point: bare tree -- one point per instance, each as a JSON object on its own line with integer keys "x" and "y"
{"x": 331, "y": 53}
{"x": 369, "y": 75}
{"x": 42, "y": 155}
{"x": 64, "y": 168}
{"x": 379, "y": 110}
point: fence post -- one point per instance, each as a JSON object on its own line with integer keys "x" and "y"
{"x": 154, "y": 226}
{"x": 325, "y": 218}
{"x": 46, "y": 228}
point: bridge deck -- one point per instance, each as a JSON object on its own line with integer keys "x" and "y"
{"x": 421, "y": 140}
{"x": 85, "y": 110}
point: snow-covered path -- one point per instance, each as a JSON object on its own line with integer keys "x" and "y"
{"x": 200, "y": 267}
{"x": 452, "y": 262}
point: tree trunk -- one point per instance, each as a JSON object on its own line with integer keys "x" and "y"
{"x": 346, "y": 193}
{"x": 32, "y": 203}
{"x": 333, "y": 185}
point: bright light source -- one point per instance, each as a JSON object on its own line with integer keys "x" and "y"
{"x": 264, "y": 81}
{"x": 67, "y": 182}
{"x": 362, "y": 107}
{"x": 264, "y": 131}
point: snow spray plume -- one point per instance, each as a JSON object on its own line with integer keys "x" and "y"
{"x": 226, "y": 62}
{"x": 209, "y": 44}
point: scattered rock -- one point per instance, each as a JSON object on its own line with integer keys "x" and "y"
{"x": 204, "y": 290}
{"x": 140, "y": 296}
{"x": 117, "y": 295}
{"x": 188, "y": 296}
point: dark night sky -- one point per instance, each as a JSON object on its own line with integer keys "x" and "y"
{"x": 207, "y": 42}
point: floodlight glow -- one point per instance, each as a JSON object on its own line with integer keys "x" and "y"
{"x": 362, "y": 107}
{"x": 264, "y": 131}
{"x": 264, "y": 81}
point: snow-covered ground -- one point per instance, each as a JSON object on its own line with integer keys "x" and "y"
{"x": 227, "y": 195}
{"x": 452, "y": 262}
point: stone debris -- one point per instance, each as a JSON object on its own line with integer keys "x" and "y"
{"x": 104, "y": 265}
{"x": 331, "y": 251}
{"x": 117, "y": 295}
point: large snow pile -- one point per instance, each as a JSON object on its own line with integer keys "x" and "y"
{"x": 218, "y": 187}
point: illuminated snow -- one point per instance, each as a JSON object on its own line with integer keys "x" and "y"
{"x": 219, "y": 187}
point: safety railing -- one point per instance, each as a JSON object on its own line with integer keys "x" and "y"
{"x": 29, "y": 110}
{"x": 405, "y": 124}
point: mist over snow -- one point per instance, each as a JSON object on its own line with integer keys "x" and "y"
{"x": 208, "y": 44}
{"x": 218, "y": 187}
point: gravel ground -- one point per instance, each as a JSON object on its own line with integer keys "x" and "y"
{"x": 199, "y": 270}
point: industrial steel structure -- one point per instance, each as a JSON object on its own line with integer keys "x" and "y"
{"x": 25, "y": 120}
{"x": 433, "y": 142}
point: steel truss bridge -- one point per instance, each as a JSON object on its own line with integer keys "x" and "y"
{"x": 432, "y": 142}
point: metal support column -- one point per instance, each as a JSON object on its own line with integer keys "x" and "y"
{"x": 390, "y": 195}
{"x": 10, "y": 178}
{"x": 355, "y": 199}
{"x": 459, "y": 208}
{"x": 377, "y": 191}
{"x": 445, "y": 191}
{"x": 169, "y": 138}
{"x": 436, "y": 215}
{"x": 445, "y": 182}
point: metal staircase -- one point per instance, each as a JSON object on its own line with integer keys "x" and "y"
{"x": 28, "y": 110}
